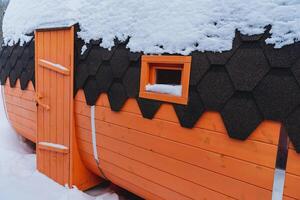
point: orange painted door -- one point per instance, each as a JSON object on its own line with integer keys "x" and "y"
{"x": 54, "y": 96}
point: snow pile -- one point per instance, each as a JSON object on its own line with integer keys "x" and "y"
{"x": 158, "y": 26}
{"x": 175, "y": 90}
{"x": 19, "y": 179}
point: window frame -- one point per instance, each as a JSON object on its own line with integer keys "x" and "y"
{"x": 148, "y": 76}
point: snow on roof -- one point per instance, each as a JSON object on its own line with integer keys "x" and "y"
{"x": 156, "y": 26}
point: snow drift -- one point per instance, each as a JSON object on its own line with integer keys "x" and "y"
{"x": 158, "y": 26}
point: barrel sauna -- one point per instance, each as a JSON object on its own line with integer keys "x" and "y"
{"x": 229, "y": 135}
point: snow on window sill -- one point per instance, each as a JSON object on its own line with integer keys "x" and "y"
{"x": 175, "y": 90}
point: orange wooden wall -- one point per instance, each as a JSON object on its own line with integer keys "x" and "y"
{"x": 21, "y": 109}
{"x": 158, "y": 159}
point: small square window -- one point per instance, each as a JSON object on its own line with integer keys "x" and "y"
{"x": 165, "y": 78}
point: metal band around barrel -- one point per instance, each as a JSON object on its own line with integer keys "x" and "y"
{"x": 281, "y": 161}
{"x": 94, "y": 141}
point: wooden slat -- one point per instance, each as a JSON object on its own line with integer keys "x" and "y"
{"x": 252, "y": 151}
{"x": 54, "y": 66}
{"x": 29, "y": 105}
{"x": 209, "y": 120}
{"x": 293, "y": 162}
{"x": 146, "y": 185}
{"x": 257, "y": 175}
{"x": 24, "y": 131}
{"x": 291, "y": 186}
{"x": 60, "y": 98}
{"x": 24, "y": 122}
{"x": 159, "y": 177}
{"x": 22, "y": 112}
{"x": 24, "y": 94}
{"x": 197, "y": 175}
{"x": 52, "y": 150}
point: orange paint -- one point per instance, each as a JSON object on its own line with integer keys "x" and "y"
{"x": 156, "y": 159}
{"x": 55, "y": 120}
{"x": 21, "y": 109}
{"x": 148, "y": 75}
{"x": 200, "y": 155}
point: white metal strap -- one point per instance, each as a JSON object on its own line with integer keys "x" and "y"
{"x": 94, "y": 141}
{"x": 278, "y": 184}
{"x": 280, "y": 165}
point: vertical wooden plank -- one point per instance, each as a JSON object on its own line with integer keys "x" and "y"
{"x": 46, "y": 100}
{"x": 74, "y": 175}
{"x": 52, "y": 104}
{"x": 59, "y": 116}
{"x": 66, "y": 107}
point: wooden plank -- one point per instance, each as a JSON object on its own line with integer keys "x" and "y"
{"x": 147, "y": 186}
{"x": 17, "y": 92}
{"x": 25, "y": 122}
{"x": 209, "y": 120}
{"x": 52, "y": 149}
{"x": 22, "y": 112}
{"x": 231, "y": 167}
{"x": 181, "y": 186}
{"x": 251, "y": 151}
{"x": 231, "y": 187}
{"x": 293, "y": 163}
{"x": 66, "y": 106}
{"x": 60, "y": 117}
{"x": 54, "y": 66}
{"x": 291, "y": 186}
{"x": 52, "y": 100}
{"x": 29, "y": 105}
{"x": 24, "y": 131}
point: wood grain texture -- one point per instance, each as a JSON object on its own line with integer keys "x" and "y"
{"x": 56, "y": 124}
{"x": 21, "y": 109}
{"x": 202, "y": 157}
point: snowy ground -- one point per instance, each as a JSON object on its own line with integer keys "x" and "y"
{"x": 19, "y": 179}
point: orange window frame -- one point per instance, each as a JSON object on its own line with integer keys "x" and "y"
{"x": 150, "y": 64}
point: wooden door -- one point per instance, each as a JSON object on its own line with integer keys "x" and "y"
{"x": 54, "y": 95}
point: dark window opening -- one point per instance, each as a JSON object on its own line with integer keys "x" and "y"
{"x": 166, "y": 76}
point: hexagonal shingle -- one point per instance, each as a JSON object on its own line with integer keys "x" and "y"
{"x": 292, "y": 125}
{"x": 189, "y": 114}
{"x": 81, "y": 75}
{"x": 296, "y": 70}
{"x": 120, "y": 61}
{"x": 131, "y": 81}
{"x": 247, "y": 67}
{"x": 283, "y": 57}
{"x": 199, "y": 67}
{"x": 241, "y": 116}
{"x": 94, "y": 60}
{"x": 277, "y": 94}
{"x": 91, "y": 91}
{"x": 215, "y": 88}
{"x": 117, "y": 96}
{"x": 148, "y": 107}
{"x": 104, "y": 78}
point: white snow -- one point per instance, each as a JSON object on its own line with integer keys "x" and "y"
{"x": 175, "y": 90}
{"x": 19, "y": 179}
{"x": 175, "y": 25}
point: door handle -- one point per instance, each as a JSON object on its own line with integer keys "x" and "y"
{"x": 40, "y": 103}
